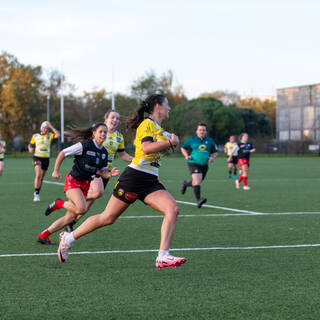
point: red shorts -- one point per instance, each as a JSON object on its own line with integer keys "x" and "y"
{"x": 243, "y": 161}
{"x": 71, "y": 183}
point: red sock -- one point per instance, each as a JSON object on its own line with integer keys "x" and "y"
{"x": 240, "y": 179}
{"x": 245, "y": 181}
{"x": 59, "y": 203}
{"x": 44, "y": 233}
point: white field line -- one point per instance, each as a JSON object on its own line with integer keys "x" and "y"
{"x": 242, "y": 212}
{"x": 156, "y": 250}
{"x": 217, "y": 207}
{"x": 224, "y": 215}
{"x": 254, "y": 180}
{"x": 53, "y": 182}
{"x": 208, "y": 180}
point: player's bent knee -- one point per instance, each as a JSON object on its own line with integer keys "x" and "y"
{"x": 176, "y": 210}
{"x": 106, "y": 221}
{"x": 95, "y": 195}
{"x": 80, "y": 211}
{"x": 172, "y": 212}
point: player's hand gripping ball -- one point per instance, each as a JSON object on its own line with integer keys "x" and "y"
{"x": 165, "y": 136}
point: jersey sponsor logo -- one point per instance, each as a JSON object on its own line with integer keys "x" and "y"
{"x": 103, "y": 156}
{"x": 91, "y": 153}
{"x": 202, "y": 147}
{"x": 120, "y": 192}
{"x": 131, "y": 196}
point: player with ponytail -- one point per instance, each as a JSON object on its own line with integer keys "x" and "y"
{"x": 140, "y": 181}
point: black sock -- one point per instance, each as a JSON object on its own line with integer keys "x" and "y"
{"x": 197, "y": 192}
{"x": 189, "y": 184}
{"x": 37, "y": 191}
{"x": 230, "y": 171}
{"x": 235, "y": 172}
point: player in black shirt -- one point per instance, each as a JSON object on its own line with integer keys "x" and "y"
{"x": 243, "y": 149}
{"x": 90, "y": 161}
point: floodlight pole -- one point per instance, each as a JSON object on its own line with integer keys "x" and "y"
{"x": 62, "y": 116}
{"x": 112, "y": 92}
{"x": 48, "y": 107}
{"x": 112, "y": 102}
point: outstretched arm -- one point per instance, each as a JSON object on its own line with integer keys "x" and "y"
{"x": 30, "y": 148}
{"x": 54, "y": 130}
{"x": 124, "y": 156}
{"x": 185, "y": 153}
{"x": 56, "y": 174}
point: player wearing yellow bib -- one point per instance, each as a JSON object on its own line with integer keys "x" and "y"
{"x": 40, "y": 145}
{"x": 232, "y": 161}
{"x": 140, "y": 181}
{"x": 114, "y": 144}
{"x": 2, "y": 152}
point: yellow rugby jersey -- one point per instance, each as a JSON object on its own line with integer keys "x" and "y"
{"x": 42, "y": 143}
{"x": 3, "y": 144}
{"x": 229, "y": 146}
{"x": 150, "y": 163}
{"x": 114, "y": 143}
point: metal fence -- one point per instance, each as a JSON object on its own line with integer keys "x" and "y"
{"x": 298, "y": 114}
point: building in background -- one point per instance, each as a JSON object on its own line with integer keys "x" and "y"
{"x": 298, "y": 114}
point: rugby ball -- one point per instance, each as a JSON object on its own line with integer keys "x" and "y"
{"x": 163, "y": 136}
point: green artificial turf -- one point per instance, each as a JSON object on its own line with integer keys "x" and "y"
{"x": 227, "y": 275}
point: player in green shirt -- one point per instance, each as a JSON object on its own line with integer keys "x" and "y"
{"x": 203, "y": 150}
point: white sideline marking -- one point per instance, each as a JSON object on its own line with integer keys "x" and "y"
{"x": 156, "y": 250}
{"x": 243, "y": 212}
{"x": 217, "y": 207}
{"x": 52, "y": 182}
{"x": 183, "y": 202}
{"x": 224, "y": 215}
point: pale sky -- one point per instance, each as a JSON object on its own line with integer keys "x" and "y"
{"x": 252, "y": 47}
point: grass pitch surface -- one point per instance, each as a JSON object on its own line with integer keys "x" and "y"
{"x": 258, "y": 265}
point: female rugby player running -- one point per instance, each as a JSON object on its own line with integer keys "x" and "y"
{"x": 243, "y": 149}
{"x": 139, "y": 181}
{"x": 114, "y": 143}
{"x": 91, "y": 160}
{"x": 40, "y": 144}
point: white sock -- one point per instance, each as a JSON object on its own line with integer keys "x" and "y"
{"x": 70, "y": 238}
{"x": 162, "y": 253}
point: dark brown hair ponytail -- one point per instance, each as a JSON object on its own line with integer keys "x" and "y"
{"x": 146, "y": 106}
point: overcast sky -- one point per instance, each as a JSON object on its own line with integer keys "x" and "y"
{"x": 252, "y": 47}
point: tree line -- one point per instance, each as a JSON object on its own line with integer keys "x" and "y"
{"x": 24, "y": 90}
